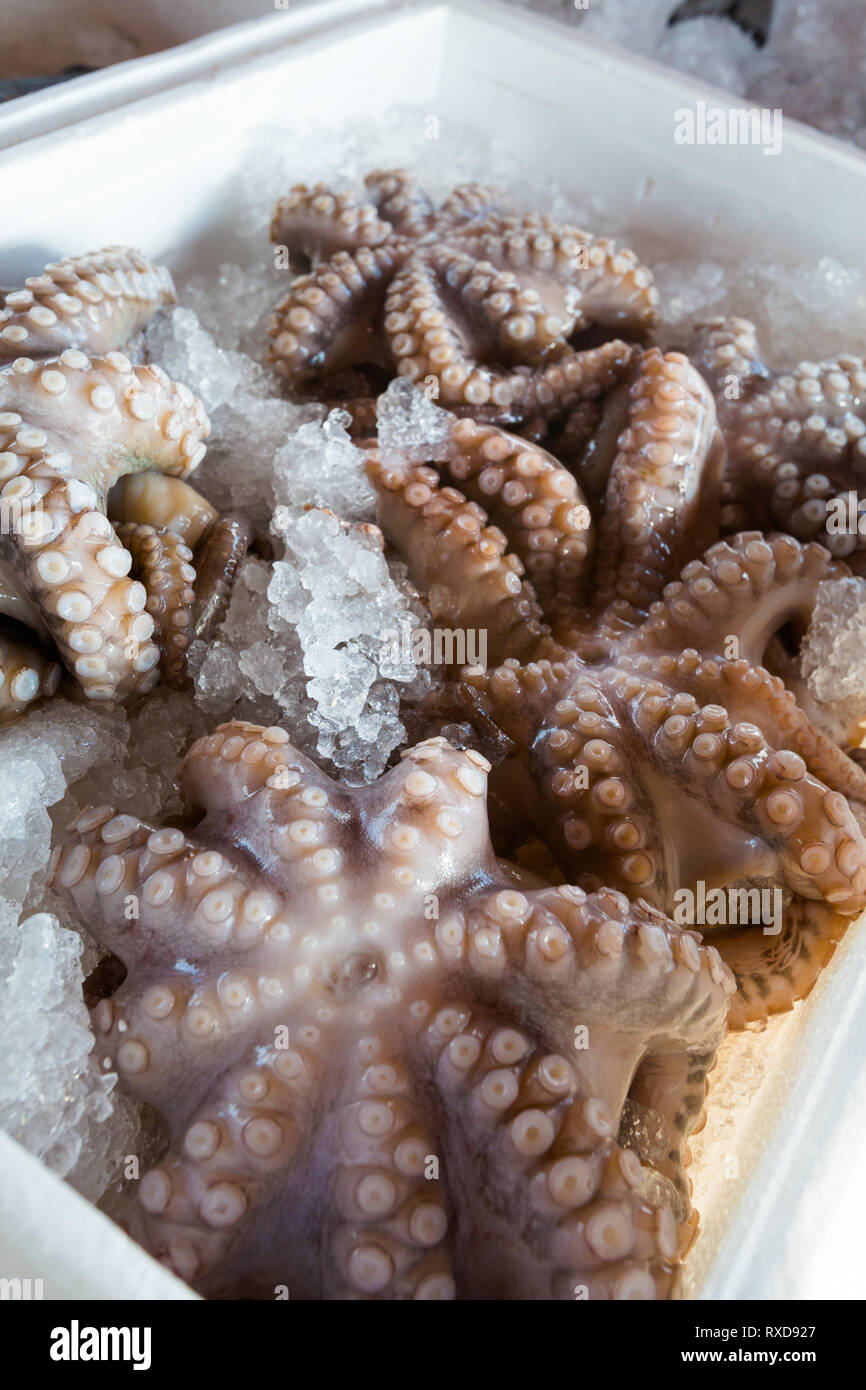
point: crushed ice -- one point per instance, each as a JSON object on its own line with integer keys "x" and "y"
{"x": 812, "y": 64}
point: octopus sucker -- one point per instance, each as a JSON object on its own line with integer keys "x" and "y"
{"x": 368, "y": 1100}
{"x": 481, "y": 305}
{"x": 796, "y": 437}
{"x": 27, "y": 674}
{"x": 635, "y": 729}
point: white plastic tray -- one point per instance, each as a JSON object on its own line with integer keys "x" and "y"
{"x": 778, "y": 1176}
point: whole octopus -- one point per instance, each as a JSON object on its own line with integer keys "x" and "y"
{"x": 77, "y": 417}
{"x": 395, "y": 1061}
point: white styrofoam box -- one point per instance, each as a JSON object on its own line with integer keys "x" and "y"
{"x": 43, "y": 36}
{"x": 162, "y": 173}
{"x": 132, "y": 36}
{"x": 50, "y": 1234}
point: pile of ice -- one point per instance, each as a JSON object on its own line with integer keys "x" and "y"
{"x": 833, "y": 657}
{"x": 54, "y": 1098}
{"x": 812, "y": 65}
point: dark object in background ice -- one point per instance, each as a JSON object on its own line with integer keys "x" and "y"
{"x": 752, "y": 16}
{"x": 11, "y": 87}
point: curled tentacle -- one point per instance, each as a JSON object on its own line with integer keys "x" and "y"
{"x": 661, "y": 499}
{"x": 732, "y": 600}
{"x": 95, "y": 302}
{"x": 314, "y": 223}
{"x": 462, "y": 565}
{"x": 184, "y": 553}
{"x": 599, "y": 281}
{"x": 796, "y": 439}
{"x": 459, "y": 352}
{"x": 324, "y": 323}
{"x": 163, "y": 564}
{"x": 69, "y": 428}
{"x": 528, "y": 494}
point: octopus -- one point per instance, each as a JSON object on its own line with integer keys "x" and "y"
{"x": 118, "y": 605}
{"x": 499, "y": 316}
{"x": 625, "y": 701}
{"x": 390, "y": 1067}
{"x": 796, "y": 439}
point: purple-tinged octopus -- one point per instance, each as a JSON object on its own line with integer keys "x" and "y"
{"x": 796, "y": 439}
{"x": 389, "y": 1070}
{"x": 76, "y": 416}
{"x": 483, "y": 307}
{"x": 633, "y": 723}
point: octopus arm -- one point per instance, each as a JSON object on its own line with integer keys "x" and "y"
{"x": 774, "y": 971}
{"x": 599, "y": 282}
{"x": 314, "y": 223}
{"x": 325, "y": 322}
{"x": 95, "y": 302}
{"x": 69, "y": 429}
{"x": 532, "y": 498}
{"x": 796, "y": 437}
{"x": 661, "y": 503}
{"x": 737, "y": 596}
{"x": 438, "y": 325}
{"x": 471, "y": 581}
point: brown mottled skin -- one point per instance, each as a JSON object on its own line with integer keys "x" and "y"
{"x": 389, "y": 1071}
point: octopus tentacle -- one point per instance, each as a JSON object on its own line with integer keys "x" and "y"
{"x": 163, "y": 564}
{"x": 324, "y": 320}
{"x": 68, "y": 430}
{"x": 605, "y": 284}
{"x": 461, "y": 564}
{"x": 27, "y": 674}
{"x": 153, "y": 499}
{"x": 467, "y": 204}
{"x": 428, "y": 1126}
{"x": 515, "y": 695}
{"x": 400, "y": 198}
{"x": 95, "y": 302}
{"x": 188, "y": 589}
{"x": 427, "y": 341}
{"x": 390, "y": 1224}
{"x": 796, "y": 438}
{"x": 774, "y": 971}
{"x": 737, "y": 596}
{"x": 218, "y": 558}
{"x": 508, "y": 321}
{"x": 743, "y": 689}
{"x": 525, "y": 491}
{"x": 315, "y": 223}
{"x": 661, "y": 500}
{"x": 235, "y": 1153}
